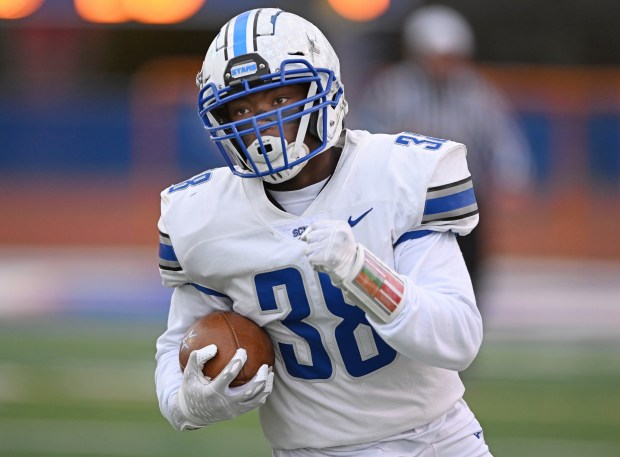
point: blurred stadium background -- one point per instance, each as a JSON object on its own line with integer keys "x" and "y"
{"x": 97, "y": 115}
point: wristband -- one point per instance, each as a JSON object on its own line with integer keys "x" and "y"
{"x": 377, "y": 288}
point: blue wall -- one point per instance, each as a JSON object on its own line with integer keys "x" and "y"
{"x": 91, "y": 134}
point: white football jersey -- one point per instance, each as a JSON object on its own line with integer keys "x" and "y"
{"x": 338, "y": 382}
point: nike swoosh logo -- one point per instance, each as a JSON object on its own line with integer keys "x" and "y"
{"x": 354, "y": 222}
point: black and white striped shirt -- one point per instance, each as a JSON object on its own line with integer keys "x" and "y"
{"x": 464, "y": 107}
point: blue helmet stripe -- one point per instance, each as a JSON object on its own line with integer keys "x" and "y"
{"x": 239, "y": 35}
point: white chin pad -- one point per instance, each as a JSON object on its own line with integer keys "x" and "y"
{"x": 273, "y": 149}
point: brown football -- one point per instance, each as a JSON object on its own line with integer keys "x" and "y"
{"x": 228, "y": 331}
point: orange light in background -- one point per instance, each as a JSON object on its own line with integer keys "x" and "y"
{"x": 146, "y": 11}
{"x": 162, "y": 11}
{"x": 103, "y": 11}
{"x": 360, "y": 10}
{"x": 17, "y": 9}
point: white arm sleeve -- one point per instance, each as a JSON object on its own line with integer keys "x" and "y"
{"x": 440, "y": 324}
{"x": 186, "y": 307}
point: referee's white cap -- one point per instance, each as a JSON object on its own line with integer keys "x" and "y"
{"x": 438, "y": 29}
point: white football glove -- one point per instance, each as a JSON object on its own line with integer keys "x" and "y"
{"x": 331, "y": 248}
{"x": 203, "y": 401}
{"x": 365, "y": 280}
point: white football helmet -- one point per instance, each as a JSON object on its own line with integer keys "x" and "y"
{"x": 259, "y": 50}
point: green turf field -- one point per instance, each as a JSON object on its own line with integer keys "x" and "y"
{"x": 84, "y": 387}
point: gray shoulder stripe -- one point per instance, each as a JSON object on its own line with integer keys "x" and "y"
{"x": 455, "y": 189}
{"x": 165, "y": 240}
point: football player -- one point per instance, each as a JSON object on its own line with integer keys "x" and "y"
{"x": 340, "y": 243}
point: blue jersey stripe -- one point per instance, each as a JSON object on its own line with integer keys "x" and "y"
{"x": 206, "y": 290}
{"x": 239, "y": 35}
{"x": 412, "y": 236}
{"x": 166, "y": 252}
{"x": 450, "y": 202}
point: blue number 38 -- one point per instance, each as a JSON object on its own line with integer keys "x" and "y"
{"x": 358, "y": 361}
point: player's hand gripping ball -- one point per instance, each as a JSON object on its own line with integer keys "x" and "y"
{"x": 228, "y": 331}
